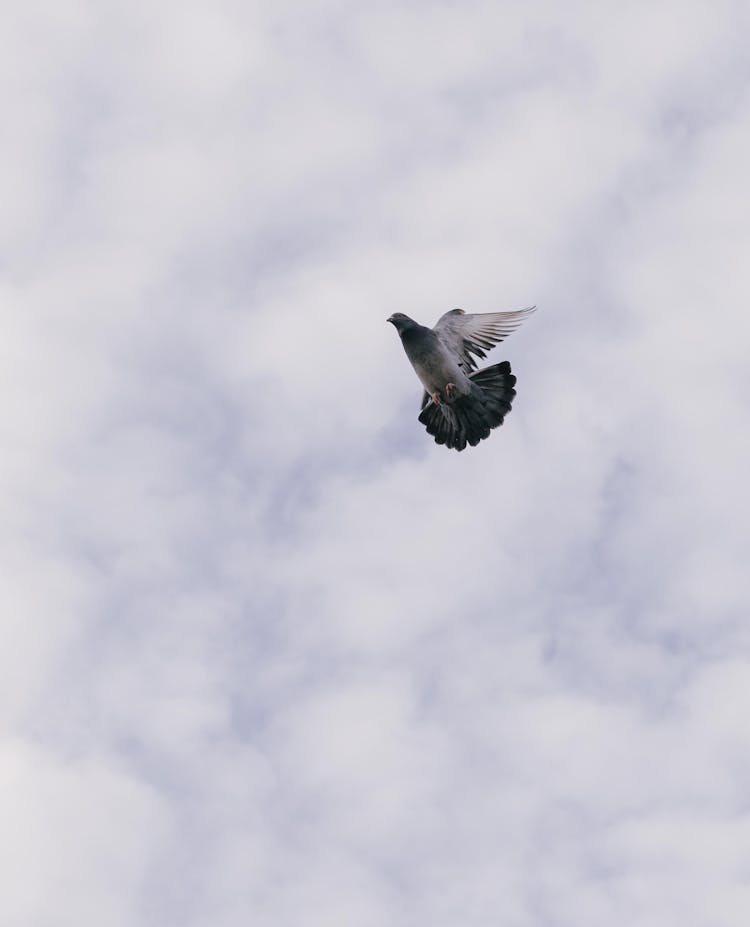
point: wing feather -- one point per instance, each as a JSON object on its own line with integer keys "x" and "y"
{"x": 470, "y": 336}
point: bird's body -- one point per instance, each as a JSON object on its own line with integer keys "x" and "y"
{"x": 461, "y": 404}
{"x": 433, "y": 363}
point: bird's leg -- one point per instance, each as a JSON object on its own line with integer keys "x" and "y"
{"x": 451, "y": 391}
{"x": 435, "y": 397}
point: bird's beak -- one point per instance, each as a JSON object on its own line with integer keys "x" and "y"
{"x": 389, "y": 319}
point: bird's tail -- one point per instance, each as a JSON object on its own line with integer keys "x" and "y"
{"x": 470, "y": 418}
{"x": 498, "y": 391}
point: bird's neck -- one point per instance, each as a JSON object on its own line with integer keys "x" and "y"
{"x": 417, "y": 341}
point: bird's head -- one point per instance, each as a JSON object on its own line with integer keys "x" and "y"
{"x": 401, "y": 322}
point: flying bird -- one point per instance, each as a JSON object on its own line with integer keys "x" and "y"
{"x": 461, "y": 404}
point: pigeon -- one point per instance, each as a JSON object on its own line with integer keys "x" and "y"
{"x": 461, "y": 404}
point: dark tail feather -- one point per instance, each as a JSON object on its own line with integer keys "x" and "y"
{"x": 470, "y": 418}
{"x": 497, "y": 391}
{"x": 444, "y": 425}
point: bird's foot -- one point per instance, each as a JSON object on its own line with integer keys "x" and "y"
{"x": 435, "y": 397}
{"x": 451, "y": 391}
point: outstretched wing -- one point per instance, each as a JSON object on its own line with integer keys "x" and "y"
{"x": 469, "y": 336}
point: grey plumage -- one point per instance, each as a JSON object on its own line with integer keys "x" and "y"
{"x": 461, "y": 404}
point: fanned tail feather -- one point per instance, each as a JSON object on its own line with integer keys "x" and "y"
{"x": 470, "y": 418}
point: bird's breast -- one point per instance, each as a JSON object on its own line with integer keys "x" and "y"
{"x": 432, "y": 362}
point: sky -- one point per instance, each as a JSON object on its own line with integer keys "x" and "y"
{"x": 269, "y": 655}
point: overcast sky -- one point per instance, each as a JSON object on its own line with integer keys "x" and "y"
{"x": 269, "y": 655}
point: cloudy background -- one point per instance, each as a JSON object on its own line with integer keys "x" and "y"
{"x": 270, "y": 656}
